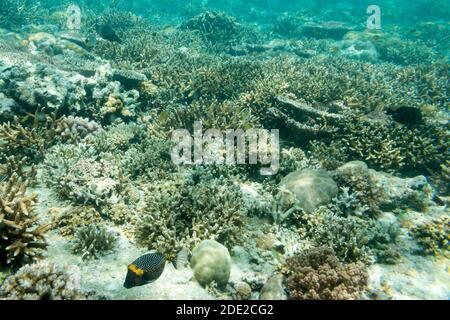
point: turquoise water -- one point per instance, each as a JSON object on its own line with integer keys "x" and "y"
{"x": 224, "y": 149}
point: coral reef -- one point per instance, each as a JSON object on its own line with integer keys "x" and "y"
{"x": 41, "y": 281}
{"x": 318, "y": 274}
{"x": 76, "y": 174}
{"x": 68, "y": 221}
{"x": 86, "y": 117}
{"x": 354, "y": 177}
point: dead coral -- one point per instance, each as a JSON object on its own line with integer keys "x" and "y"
{"x": 317, "y": 274}
{"x": 22, "y": 236}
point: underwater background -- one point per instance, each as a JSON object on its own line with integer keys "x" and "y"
{"x": 92, "y": 205}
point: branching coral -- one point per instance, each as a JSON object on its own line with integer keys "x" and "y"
{"x": 117, "y": 137}
{"x": 231, "y": 117}
{"x": 216, "y": 28}
{"x": 352, "y": 239}
{"x": 22, "y": 236}
{"x": 76, "y": 174}
{"x": 433, "y": 236}
{"x": 317, "y": 274}
{"x": 179, "y": 214}
{"x": 19, "y": 166}
{"x": 16, "y": 139}
{"x": 41, "y": 281}
{"x": 151, "y": 158}
{"x": 288, "y": 26}
{"x": 92, "y": 241}
{"x": 348, "y": 237}
{"x": 389, "y": 146}
{"x": 68, "y": 221}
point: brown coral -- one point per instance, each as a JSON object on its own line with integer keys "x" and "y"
{"x": 318, "y": 275}
{"x": 22, "y": 237}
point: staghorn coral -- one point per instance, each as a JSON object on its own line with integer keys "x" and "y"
{"x": 288, "y": 26}
{"x": 352, "y": 239}
{"x": 18, "y": 165}
{"x": 387, "y": 145}
{"x": 384, "y": 241}
{"x": 22, "y": 237}
{"x": 224, "y": 79}
{"x": 433, "y": 236}
{"x": 317, "y": 274}
{"x": 232, "y": 117}
{"x": 119, "y": 21}
{"x": 348, "y": 237}
{"x": 41, "y": 281}
{"x": 92, "y": 241}
{"x": 115, "y": 138}
{"x": 179, "y": 215}
{"x": 150, "y": 159}
{"x": 29, "y": 143}
{"x": 69, "y": 220}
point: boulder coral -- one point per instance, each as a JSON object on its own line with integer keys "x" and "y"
{"x": 211, "y": 262}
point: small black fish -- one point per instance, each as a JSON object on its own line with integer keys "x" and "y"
{"x": 144, "y": 270}
{"x": 106, "y": 32}
{"x": 407, "y": 115}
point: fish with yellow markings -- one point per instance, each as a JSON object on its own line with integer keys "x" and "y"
{"x": 145, "y": 270}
